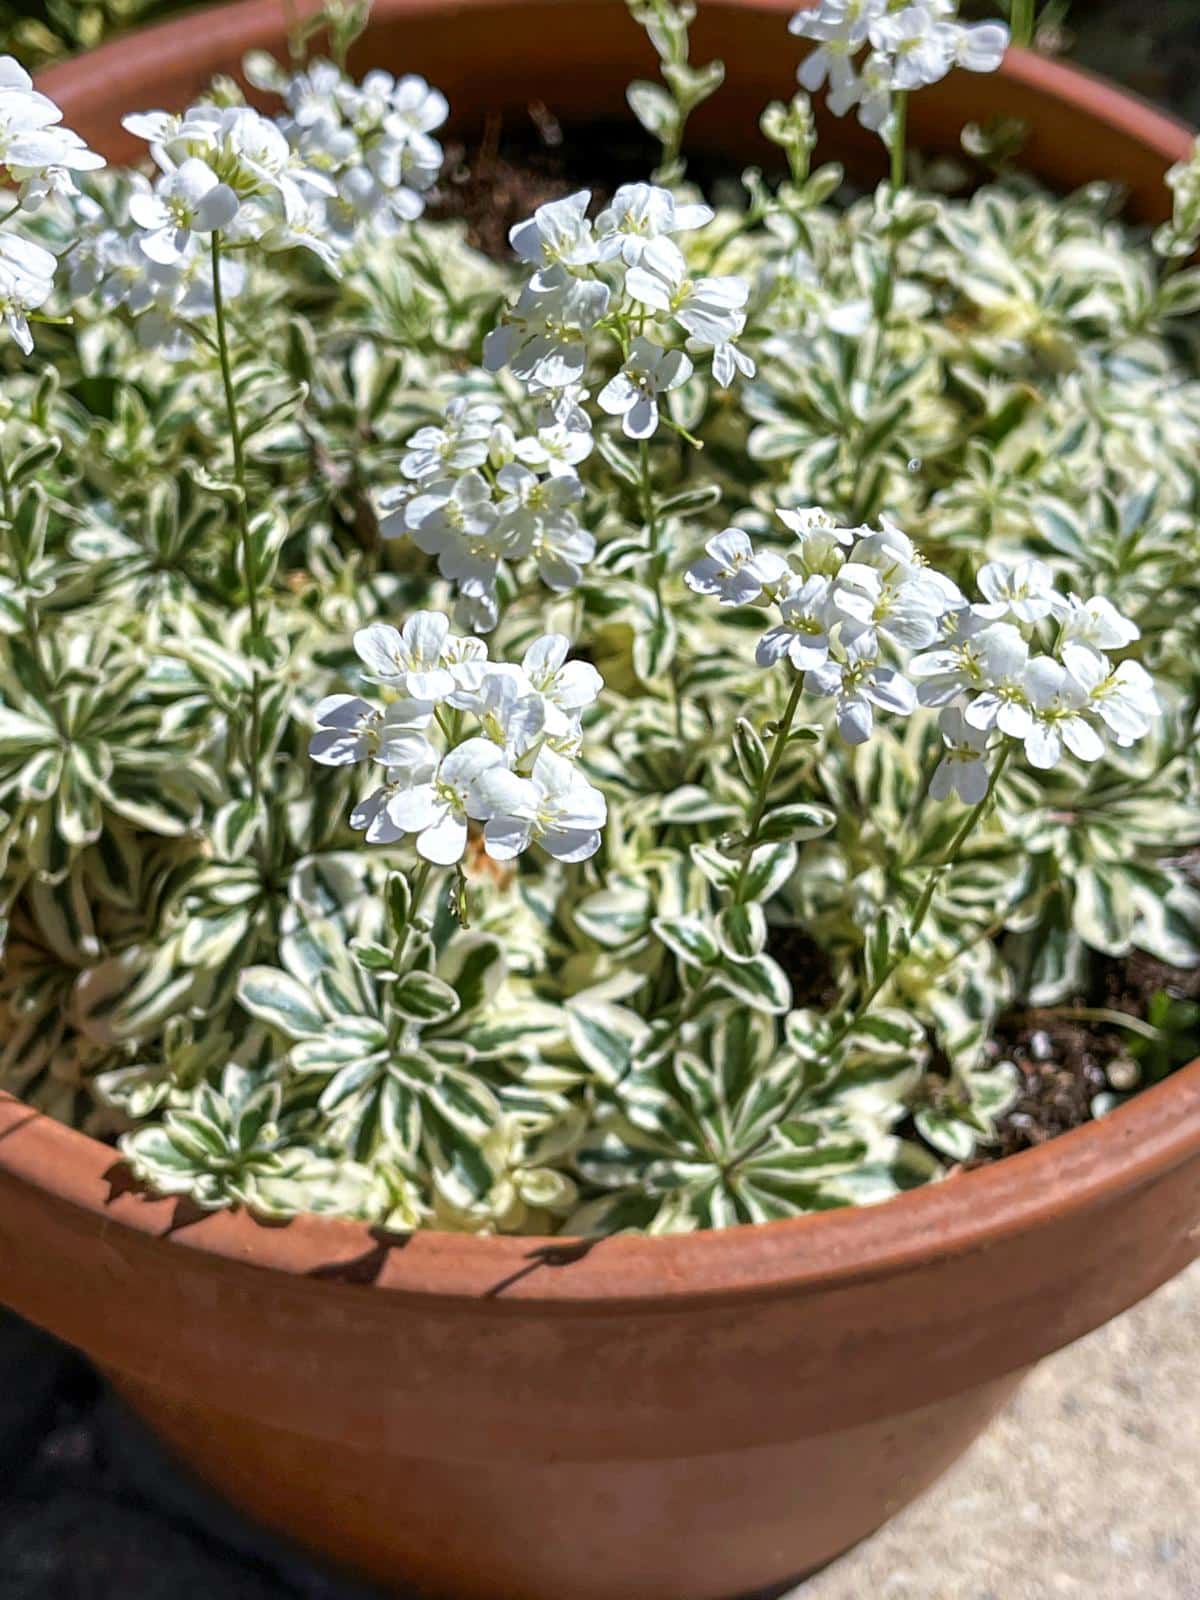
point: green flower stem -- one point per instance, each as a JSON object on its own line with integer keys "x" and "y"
{"x": 658, "y": 566}
{"x": 763, "y": 798}
{"x": 295, "y": 38}
{"x": 840, "y": 1034}
{"x": 653, "y": 529}
{"x": 899, "y": 142}
{"x": 969, "y": 823}
{"x": 1024, "y": 22}
{"x": 243, "y": 519}
{"x": 417, "y": 888}
{"x": 699, "y": 996}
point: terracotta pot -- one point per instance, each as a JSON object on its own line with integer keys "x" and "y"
{"x": 667, "y": 1419}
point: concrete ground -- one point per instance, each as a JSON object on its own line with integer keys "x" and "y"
{"x": 1087, "y": 1488}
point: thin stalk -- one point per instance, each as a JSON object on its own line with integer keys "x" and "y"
{"x": 698, "y": 998}
{"x": 763, "y": 798}
{"x": 657, "y": 566}
{"x": 871, "y": 994}
{"x": 295, "y": 38}
{"x": 1024, "y": 22}
{"x": 416, "y": 895}
{"x": 417, "y": 891}
{"x": 243, "y": 521}
{"x": 969, "y": 823}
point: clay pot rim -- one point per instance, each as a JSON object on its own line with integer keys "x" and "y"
{"x": 1080, "y": 1171}
{"x": 240, "y": 24}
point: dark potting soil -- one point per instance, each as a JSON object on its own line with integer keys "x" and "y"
{"x": 500, "y": 176}
{"x": 1066, "y": 1060}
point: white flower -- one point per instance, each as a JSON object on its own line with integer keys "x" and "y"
{"x": 1057, "y": 702}
{"x": 371, "y": 140}
{"x": 820, "y": 543}
{"x": 633, "y": 393}
{"x": 477, "y": 605}
{"x": 415, "y": 109}
{"x": 920, "y": 46}
{"x": 1024, "y": 591}
{"x": 924, "y": 41}
{"x": 981, "y": 46}
{"x": 557, "y": 449}
{"x": 246, "y": 149}
{"x": 37, "y": 154}
{"x": 532, "y": 509}
{"x": 1123, "y": 697}
{"x": 567, "y": 687}
{"x": 733, "y": 570}
{"x": 511, "y": 714}
{"x": 872, "y": 94}
{"x": 1095, "y": 622}
{"x": 840, "y": 29}
{"x": 462, "y": 442}
{"x": 304, "y": 225}
{"x": 882, "y": 590}
{"x": 562, "y": 549}
{"x": 190, "y": 199}
{"x": 543, "y": 338}
{"x": 564, "y": 408}
{"x": 555, "y": 807}
{"x": 557, "y": 239}
{"x": 963, "y": 769}
{"x": 456, "y": 521}
{"x": 910, "y": 46}
{"x": 875, "y": 601}
{"x": 640, "y": 212}
{"x": 859, "y": 682}
{"x": 422, "y": 658}
{"x": 1001, "y": 656}
{"x": 429, "y": 796}
{"x": 728, "y": 361}
{"x": 846, "y": 21}
{"x": 957, "y": 665}
{"x": 711, "y": 310}
{"x": 351, "y": 729}
{"x": 803, "y": 634}
{"x": 26, "y": 281}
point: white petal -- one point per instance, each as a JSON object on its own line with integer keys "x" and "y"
{"x": 444, "y": 843}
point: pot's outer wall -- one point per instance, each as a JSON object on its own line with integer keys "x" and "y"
{"x": 645, "y": 1419}
{"x": 641, "y": 1348}
{"x": 665, "y": 1419}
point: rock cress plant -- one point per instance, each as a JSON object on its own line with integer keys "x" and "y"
{"x": 594, "y": 741}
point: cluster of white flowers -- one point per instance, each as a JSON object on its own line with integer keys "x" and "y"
{"x": 344, "y": 158}
{"x": 109, "y": 265}
{"x": 855, "y": 604}
{"x": 623, "y": 275}
{"x": 466, "y": 740}
{"x": 38, "y": 157}
{"x": 478, "y": 497}
{"x": 372, "y": 140}
{"x": 868, "y": 51}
